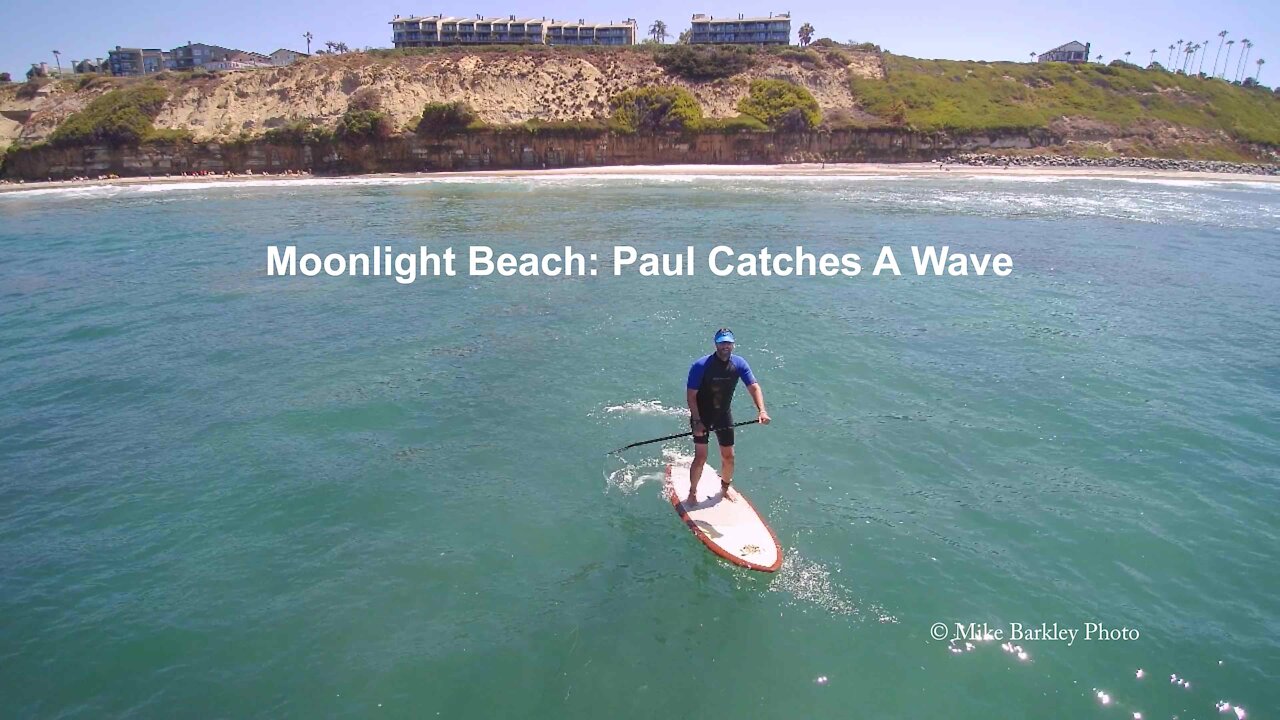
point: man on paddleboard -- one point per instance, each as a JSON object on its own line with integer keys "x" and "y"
{"x": 709, "y": 392}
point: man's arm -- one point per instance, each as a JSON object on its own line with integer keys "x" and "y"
{"x": 757, "y": 395}
{"x": 695, "y": 422}
{"x": 691, "y": 397}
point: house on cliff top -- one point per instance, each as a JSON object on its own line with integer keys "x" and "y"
{"x": 440, "y": 30}
{"x": 1072, "y": 52}
{"x": 285, "y": 56}
{"x": 772, "y": 30}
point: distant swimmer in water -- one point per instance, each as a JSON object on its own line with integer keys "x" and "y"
{"x": 709, "y": 392}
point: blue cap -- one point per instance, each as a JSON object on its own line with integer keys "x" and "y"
{"x": 724, "y": 335}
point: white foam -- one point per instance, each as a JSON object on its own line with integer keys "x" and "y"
{"x": 80, "y": 191}
{"x": 810, "y": 582}
{"x": 677, "y": 174}
{"x": 646, "y": 407}
{"x": 1018, "y": 178}
{"x": 1188, "y": 183}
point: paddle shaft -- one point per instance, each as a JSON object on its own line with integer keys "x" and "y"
{"x": 680, "y": 435}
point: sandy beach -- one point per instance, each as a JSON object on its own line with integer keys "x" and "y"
{"x": 798, "y": 170}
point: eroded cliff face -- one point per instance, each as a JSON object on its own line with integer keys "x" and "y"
{"x": 502, "y": 88}
{"x": 495, "y": 150}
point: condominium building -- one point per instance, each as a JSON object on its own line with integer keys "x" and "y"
{"x": 194, "y": 55}
{"x": 772, "y": 30}
{"x": 565, "y": 32}
{"x": 138, "y": 61}
{"x": 437, "y": 30}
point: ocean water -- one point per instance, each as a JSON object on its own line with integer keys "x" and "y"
{"x": 224, "y": 494}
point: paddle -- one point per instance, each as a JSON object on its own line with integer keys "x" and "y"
{"x": 673, "y": 437}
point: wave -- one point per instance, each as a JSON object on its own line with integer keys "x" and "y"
{"x": 658, "y": 174}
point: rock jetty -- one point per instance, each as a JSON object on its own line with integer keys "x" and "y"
{"x": 1212, "y": 166}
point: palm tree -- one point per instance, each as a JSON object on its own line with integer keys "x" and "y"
{"x": 806, "y": 33}
{"x": 1261, "y": 62}
{"x": 307, "y": 36}
{"x": 1221, "y": 36}
{"x": 1169, "y": 63}
{"x": 1098, "y": 59}
{"x": 1200, "y": 70}
{"x": 1151, "y": 59}
{"x": 57, "y": 58}
{"x": 1190, "y": 53}
{"x": 1245, "y": 60}
{"x": 1227, "y": 61}
{"x": 658, "y": 31}
{"x": 1126, "y": 55}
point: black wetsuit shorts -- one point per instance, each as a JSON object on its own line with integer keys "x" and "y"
{"x": 721, "y": 422}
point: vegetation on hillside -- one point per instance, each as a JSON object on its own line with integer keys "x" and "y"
{"x": 444, "y": 119}
{"x": 704, "y": 62}
{"x": 364, "y": 118}
{"x": 559, "y": 128}
{"x": 118, "y": 117}
{"x": 740, "y": 123}
{"x": 809, "y": 58}
{"x": 975, "y": 96}
{"x": 922, "y": 95}
{"x": 781, "y": 105}
{"x": 364, "y": 125}
{"x": 298, "y": 132}
{"x": 653, "y": 109}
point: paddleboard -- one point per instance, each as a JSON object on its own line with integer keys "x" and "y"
{"x": 733, "y": 530}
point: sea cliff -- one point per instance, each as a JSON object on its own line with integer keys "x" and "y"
{"x": 873, "y": 107}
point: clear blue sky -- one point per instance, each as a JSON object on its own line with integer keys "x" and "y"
{"x": 980, "y": 30}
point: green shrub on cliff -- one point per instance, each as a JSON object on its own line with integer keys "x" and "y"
{"x": 781, "y": 105}
{"x": 298, "y": 132}
{"x": 741, "y": 123}
{"x": 119, "y": 117}
{"x": 804, "y": 57}
{"x": 704, "y": 62}
{"x": 364, "y": 125}
{"x": 170, "y": 135}
{"x": 92, "y": 80}
{"x": 441, "y": 119}
{"x": 652, "y": 109}
{"x": 565, "y": 128}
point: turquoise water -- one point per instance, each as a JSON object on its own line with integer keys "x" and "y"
{"x": 224, "y": 494}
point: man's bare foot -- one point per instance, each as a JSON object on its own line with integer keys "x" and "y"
{"x": 724, "y": 491}
{"x": 693, "y": 497}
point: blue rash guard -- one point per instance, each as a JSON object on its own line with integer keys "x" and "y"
{"x": 715, "y": 382}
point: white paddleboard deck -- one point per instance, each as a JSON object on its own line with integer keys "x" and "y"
{"x": 731, "y": 529}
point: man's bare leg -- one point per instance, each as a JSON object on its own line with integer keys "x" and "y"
{"x": 726, "y": 471}
{"x": 695, "y": 471}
